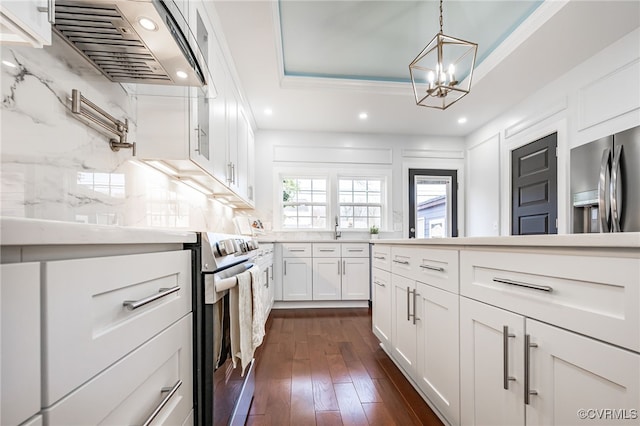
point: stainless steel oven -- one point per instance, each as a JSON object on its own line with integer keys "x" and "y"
{"x": 222, "y": 394}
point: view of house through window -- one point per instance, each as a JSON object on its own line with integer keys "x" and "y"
{"x": 304, "y": 203}
{"x": 360, "y": 202}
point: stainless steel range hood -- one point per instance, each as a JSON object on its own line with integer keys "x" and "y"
{"x": 110, "y": 34}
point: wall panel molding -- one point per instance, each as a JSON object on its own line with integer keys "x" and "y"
{"x": 610, "y": 96}
{"x": 534, "y": 119}
{"x": 432, "y": 153}
{"x": 328, "y": 154}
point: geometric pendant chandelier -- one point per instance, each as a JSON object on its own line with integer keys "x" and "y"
{"x": 441, "y": 74}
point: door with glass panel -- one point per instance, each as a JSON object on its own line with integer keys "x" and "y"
{"x": 433, "y": 207}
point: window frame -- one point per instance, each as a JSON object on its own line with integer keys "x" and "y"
{"x": 353, "y": 204}
{"x": 332, "y": 177}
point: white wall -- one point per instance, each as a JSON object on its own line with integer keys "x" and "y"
{"x": 599, "y": 97}
{"x": 282, "y": 150}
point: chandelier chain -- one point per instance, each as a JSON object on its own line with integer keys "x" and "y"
{"x": 440, "y": 16}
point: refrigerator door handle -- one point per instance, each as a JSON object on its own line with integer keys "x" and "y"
{"x": 605, "y": 172}
{"x": 616, "y": 187}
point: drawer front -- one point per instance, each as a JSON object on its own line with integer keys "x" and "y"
{"x": 296, "y": 250}
{"x": 326, "y": 250}
{"x": 401, "y": 260}
{"x": 19, "y": 342}
{"x": 355, "y": 250}
{"x": 592, "y": 295}
{"x": 436, "y": 267}
{"x": 130, "y": 390}
{"x": 381, "y": 256}
{"x": 88, "y": 327}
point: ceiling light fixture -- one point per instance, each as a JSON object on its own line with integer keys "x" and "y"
{"x": 363, "y": 116}
{"x": 434, "y": 70}
{"x": 268, "y": 111}
{"x": 462, "y": 120}
{"x": 182, "y": 74}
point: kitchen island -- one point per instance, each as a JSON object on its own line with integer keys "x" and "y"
{"x": 514, "y": 330}
{"x": 88, "y": 308}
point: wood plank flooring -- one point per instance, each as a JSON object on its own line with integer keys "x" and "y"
{"x": 325, "y": 367}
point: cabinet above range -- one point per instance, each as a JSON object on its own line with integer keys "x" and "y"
{"x": 201, "y": 136}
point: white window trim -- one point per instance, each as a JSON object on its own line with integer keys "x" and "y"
{"x": 332, "y": 175}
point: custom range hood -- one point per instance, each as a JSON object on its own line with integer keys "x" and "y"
{"x": 144, "y": 41}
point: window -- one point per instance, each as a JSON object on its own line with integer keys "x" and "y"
{"x": 304, "y": 203}
{"x": 360, "y": 202}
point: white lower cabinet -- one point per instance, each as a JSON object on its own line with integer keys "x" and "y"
{"x": 488, "y": 396}
{"x": 569, "y": 372}
{"x": 437, "y": 357}
{"x": 381, "y": 314}
{"x": 547, "y": 377}
{"x": 19, "y": 342}
{"x": 296, "y": 278}
{"x": 355, "y": 278}
{"x": 154, "y": 379}
{"x": 404, "y": 345}
{"x": 327, "y": 278}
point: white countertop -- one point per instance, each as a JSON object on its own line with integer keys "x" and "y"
{"x": 610, "y": 240}
{"x": 316, "y": 240}
{"x": 22, "y": 232}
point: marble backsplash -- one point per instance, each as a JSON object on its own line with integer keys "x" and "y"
{"x": 55, "y": 167}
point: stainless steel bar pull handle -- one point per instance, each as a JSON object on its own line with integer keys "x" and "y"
{"x": 379, "y": 257}
{"x": 527, "y": 364}
{"x": 50, "y": 10}
{"x": 506, "y": 378}
{"x": 135, "y": 304}
{"x": 415, "y": 296}
{"x": 402, "y": 262}
{"x": 344, "y": 267}
{"x": 379, "y": 283}
{"x": 432, "y": 268}
{"x": 285, "y": 267}
{"x": 526, "y": 285}
{"x": 339, "y": 270}
{"x": 616, "y": 187}
{"x": 408, "y": 306}
{"x": 171, "y": 391}
{"x": 603, "y": 186}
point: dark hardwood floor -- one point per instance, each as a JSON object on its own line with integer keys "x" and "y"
{"x": 325, "y": 367}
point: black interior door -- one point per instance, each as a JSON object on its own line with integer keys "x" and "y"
{"x": 534, "y": 183}
{"x": 433, "y": 203}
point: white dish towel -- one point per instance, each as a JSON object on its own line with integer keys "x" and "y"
{"x": 258, "y": 307}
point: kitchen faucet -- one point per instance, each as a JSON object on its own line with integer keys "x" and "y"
{"x": 336, "y": 234}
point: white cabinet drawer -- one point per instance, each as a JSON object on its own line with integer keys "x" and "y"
{"x": 19, "y": 342}
{"x": 593, "y": 295}
{"x": 87, "y": 325}
{"x": 355, "y": 250}
{"x": 436, "y": 267}
{"x": 381, "y": 257}
{"x": 326, "y": 249}
{"x": 296, "y": 250}
{"x": 129, "y": 391}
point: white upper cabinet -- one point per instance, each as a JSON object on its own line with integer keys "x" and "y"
{"x": 200, "y": 135}
{"x": 26, "y": 22}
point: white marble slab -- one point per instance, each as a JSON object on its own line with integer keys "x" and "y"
{"x": 610, "y": 240}
{"x": 56, "y": 167}
{"x": 25, "y": 232}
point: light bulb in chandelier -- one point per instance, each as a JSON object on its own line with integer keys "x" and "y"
{"x": 452, "y": 78}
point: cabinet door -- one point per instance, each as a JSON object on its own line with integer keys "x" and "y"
{"x": 23, "y": 22}
{"x": 326, "y": 278}
{"x": 355, "y": 278}
{"x": 219, "y": 130}
{"x": 381, "y": 317}
{"x": 19, "y": 342}
{"x": 484, "y": 368}
{"x": 296, "y": 278}
{"x": 570, "y": 372}
{"x": 438, "y": 350}
{"x": 403, "y": 340}
{"x": 242, "y": 164}
{"x": 232, "y": 132}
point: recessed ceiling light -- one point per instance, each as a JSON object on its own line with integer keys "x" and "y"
{"x": 363, "y": 116}
{"x": 462, "y": 120}
{"x": 182, "y": 74}
{"x": 268, "y": 111}
{"x": 147, "y": 24}
{"x": 9, "y": 64}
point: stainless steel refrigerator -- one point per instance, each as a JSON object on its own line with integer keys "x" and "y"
{"x": 605, "y": 184}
